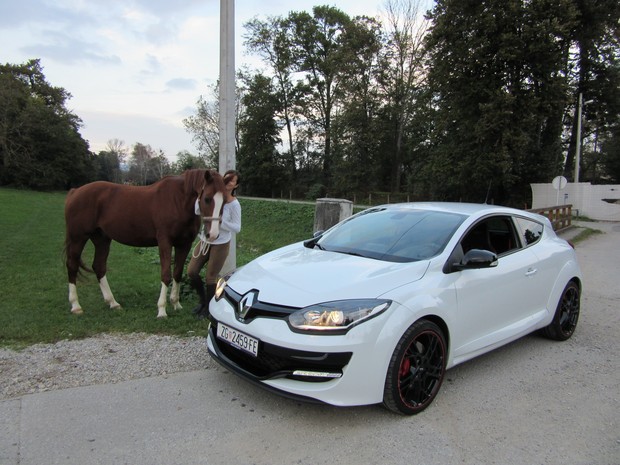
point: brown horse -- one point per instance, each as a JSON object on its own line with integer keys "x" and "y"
{"x": 162, "y": 214}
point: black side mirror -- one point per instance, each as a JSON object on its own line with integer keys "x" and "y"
{"x": 310, "y": 243}
{"x": 475, "y": 259}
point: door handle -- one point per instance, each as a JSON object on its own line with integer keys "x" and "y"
{"x": 531, "y": 272}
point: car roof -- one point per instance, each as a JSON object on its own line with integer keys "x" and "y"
{"x": 468, "y": 209}
{"x": 463, "y": 208}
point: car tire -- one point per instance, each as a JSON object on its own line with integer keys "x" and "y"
{"x": 416, "y": 369}
{"x": 566, "y": 314}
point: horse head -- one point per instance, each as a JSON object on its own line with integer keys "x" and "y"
{"x": 211, "y": 198}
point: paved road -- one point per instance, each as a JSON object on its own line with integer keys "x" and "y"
{"x": 532, "y": 402}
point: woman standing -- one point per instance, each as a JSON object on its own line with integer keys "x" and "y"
{"x": 214, "y": 253}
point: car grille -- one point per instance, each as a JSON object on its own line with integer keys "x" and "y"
{"x": 259, "y": 309}
{"x": 279, "y": 362}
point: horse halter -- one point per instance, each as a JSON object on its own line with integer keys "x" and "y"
{"x": 206, "y": 218}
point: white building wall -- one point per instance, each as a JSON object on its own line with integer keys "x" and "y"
{"x": 586, "y": 199}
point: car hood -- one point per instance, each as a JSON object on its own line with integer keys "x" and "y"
{"x": 297, "y": 276}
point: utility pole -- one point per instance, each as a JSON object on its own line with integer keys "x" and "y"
{"x": 227, "y": 155}
{"x": 580, "y": 104}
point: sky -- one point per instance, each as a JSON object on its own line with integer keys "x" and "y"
{"x": 136, "y": 68}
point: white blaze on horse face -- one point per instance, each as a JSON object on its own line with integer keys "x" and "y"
{"x": 214, "y": 226}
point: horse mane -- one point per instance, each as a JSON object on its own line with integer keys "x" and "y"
{"x": 195, "y": 180}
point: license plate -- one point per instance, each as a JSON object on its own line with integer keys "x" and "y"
{"x": 238, "y": 339}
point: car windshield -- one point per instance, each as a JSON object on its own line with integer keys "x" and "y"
{"x": 393, "y": 234}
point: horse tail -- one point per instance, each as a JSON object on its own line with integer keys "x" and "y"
{"x": 65, "y": 255}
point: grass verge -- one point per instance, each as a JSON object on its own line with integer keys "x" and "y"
{"x": 34, "y": 306}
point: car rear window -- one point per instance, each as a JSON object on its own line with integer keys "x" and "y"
{"x": 531, "y": 231}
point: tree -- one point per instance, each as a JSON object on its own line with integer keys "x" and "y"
{"x": 317, "y": 49}
{"x": 330, "y": 51}
{"x": 40, "y": 144}
{"x": 108, "y": 166}
{"x": 271, "y": 40}
{"x": 187, "y": 161}
{"x": 497, "y": 85}
{"x": 204, "y": 127}
{"x": 356, "y": 126}
{"x": 141, "y": 165}
{"x": 159, "y": 166}
{"x": 109, "y": 162}
{"x": 402, "y": 76}
{"x": 611, "y": 161}
{"x": 259, "y": 160}
{"x": 596, "y": 72}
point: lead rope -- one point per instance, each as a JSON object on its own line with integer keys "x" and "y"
{"x": 204, "y": 247}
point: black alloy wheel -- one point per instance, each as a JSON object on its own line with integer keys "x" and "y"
{"x": 416, "y": 369}
{"x": 566, "y": 314}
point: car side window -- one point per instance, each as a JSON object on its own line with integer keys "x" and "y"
{"x": 495, "y": 233}
{"x": 530, "y": 231}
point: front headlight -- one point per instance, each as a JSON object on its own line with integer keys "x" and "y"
{"x": 221, "y": 286}
{"x": 337, "y": 316}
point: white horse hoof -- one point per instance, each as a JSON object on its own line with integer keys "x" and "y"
{"x": 77, "y": 311}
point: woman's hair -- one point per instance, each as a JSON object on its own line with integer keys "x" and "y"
{"x": 228, "y": 175}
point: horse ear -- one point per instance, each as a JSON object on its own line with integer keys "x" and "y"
{"x": 208, "y": 176}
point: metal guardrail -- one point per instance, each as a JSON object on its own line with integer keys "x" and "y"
{"x": 559, "y": 215}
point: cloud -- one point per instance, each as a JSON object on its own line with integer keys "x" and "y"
{"x": 152, "y": 66}
{"x": 166, "y": 8}
{"x": 14, "y": 14}
{"x": 135, "y": 68}
{"x": 67, "y": 49}
{"x": 181, "y": 84}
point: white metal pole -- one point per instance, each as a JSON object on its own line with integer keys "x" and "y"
{"x": 227, "y": 156}
{"x": 578, "y": 144}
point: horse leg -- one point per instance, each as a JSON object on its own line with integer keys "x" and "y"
{"x": 74, "y": 252}
{"x": 180, "y": 255}
{"x": 165, "y": 252}
{"x": 175, "y": 291}
{"x": 102, "y": 250}
{"x": 161, "y": 302}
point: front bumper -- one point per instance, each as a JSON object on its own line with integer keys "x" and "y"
{"x": 218, "y": 351}
{"x": 345, "y": 370}
{"x": 275, "y": 362}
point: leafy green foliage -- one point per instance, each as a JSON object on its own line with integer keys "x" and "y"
{"x": 34, "y": 305}
{"x": 259, "y": 160}
{"x": 476, "y": 106}
{"x": 40, "y": 146}
{"x": 498, "y": 88}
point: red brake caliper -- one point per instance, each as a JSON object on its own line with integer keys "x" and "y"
{"x": 405, "y": 366}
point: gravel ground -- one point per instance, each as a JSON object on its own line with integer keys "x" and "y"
{"x": 102, "y": 359}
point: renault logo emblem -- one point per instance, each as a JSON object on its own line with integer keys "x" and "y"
{"x": 245, "y": 304}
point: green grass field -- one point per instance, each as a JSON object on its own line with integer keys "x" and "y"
{"x": 34, "y": 303}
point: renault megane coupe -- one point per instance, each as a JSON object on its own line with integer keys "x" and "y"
{"x": 378, "y": 307}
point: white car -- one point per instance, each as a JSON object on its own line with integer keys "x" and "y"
{"x": 377, "y": 308}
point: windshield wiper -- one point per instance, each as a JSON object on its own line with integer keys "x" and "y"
{"x": 355, "y": 254}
